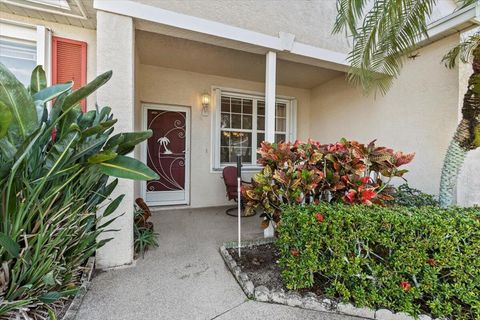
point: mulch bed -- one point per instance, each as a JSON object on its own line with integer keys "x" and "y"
{"x": 260, "y": 263}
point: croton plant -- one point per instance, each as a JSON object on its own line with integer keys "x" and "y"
{"x": 346, "y": 171}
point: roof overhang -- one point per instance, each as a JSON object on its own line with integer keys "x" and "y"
{"x": 455, "y": 22}
{"x": 285, "y": 43}
{"x": 155, "y": 19}
{"x": 74, "y": 9}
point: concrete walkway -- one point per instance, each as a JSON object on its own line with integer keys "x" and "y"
{"x": 185, "y": 278}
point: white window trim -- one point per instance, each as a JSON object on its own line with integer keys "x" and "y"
{"x": 40, "y": 35}
{"x": 44, "y": 51}
{"x": 216, "y": 93}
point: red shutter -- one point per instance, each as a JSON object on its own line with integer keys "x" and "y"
{"x": 69, "y": 63}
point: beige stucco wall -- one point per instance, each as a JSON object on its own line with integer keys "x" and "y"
{"x": 66, "y": 31}
{"x": 419, "y": 113}
{"x": 172, "y": 86}
{"x": 115, "y": 51}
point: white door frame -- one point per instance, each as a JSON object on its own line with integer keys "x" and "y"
{"x": 143, "y": 156}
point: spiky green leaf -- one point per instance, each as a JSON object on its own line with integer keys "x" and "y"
{"x": 102, "y": 156}
{"x": 127, "y": 168}
{"x": 5, "y": 119}
{"x": 50, "y": 297}
{"x": 14, "y": 95}
{"x": 113, "y": 205}
{"x": 76, "y": 96}
{"x": 129, "y": 140}
{"x": 38, "y": 80}
{"x": 9, "y": 245}
{"x": 52, "y": 92}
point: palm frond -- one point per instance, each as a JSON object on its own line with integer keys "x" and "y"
{"x": 349, "y": 13}
{"x": 382, "y": 37}
{"x": 466, "y": 3}
{"x": 462, "y": 51}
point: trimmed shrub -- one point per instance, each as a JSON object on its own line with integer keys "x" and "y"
{"x": 410, "y": 197}
{"x": 423, "y": 259}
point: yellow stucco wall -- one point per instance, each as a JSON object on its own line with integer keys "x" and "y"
{"x": 116, "y": 52}
{"x": 170, "y": 86}
{"x": 310, "y": 21}
{"x": 419, "y": 113}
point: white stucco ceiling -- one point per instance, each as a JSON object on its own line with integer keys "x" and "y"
{"x": 188, "y": 55}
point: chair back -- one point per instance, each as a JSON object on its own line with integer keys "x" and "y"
{"x": 230, "y": 179}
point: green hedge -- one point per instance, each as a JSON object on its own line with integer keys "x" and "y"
{"x": 407, "y": 196}
{"x": 406, "y": 259}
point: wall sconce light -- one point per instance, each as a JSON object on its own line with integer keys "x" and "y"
{"x": 205, "y": 103}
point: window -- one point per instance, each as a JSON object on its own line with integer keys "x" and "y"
{"x": 20, "y": 57}
{"x": 24, "y": 46}
{"x": 240, "y": 125}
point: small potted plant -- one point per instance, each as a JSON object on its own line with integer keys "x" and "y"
{"x": 144, "y": 235}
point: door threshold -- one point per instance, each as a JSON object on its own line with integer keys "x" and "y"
{"x": 169, "y": 207}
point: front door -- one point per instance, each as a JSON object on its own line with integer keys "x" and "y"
{"x": 167, "y": 153}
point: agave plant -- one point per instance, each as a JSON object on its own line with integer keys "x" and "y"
{"x": 384, "y": 33}
{"x": 143, "y": 234}
{"x": 54, "y": 178}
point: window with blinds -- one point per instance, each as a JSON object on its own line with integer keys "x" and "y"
{"x": 69, "y": 63}
{"x": 239, "y": 120}
{"x": 20, "y": 57}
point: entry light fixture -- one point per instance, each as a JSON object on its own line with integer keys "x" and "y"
{"x": 205, "y": 103}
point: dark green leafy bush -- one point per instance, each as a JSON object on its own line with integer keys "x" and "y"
{"x": 407, "y": 196}
{"x": 414, "y": 260}
{"x": 54, "y": 189}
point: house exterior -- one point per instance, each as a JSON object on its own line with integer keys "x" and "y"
{"x": 213, "y": 79}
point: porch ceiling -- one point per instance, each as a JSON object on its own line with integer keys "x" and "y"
{"x": 188, "y": 55}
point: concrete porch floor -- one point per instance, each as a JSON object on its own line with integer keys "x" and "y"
{"x": 185, "y": 278}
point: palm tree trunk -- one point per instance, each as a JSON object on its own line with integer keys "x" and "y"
{"x": 464, "y": 139}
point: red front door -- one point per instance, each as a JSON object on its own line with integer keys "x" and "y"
{"x": 167, "y": 154}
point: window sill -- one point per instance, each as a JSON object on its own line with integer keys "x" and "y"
{"x": 245, "y": 169}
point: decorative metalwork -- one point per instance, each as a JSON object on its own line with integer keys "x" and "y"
{"x": 166, "y": 150}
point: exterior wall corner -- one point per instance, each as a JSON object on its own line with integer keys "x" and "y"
{"x": 115, "y": 51}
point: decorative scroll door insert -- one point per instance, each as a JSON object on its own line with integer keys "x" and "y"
{"x": 167, "y": 154}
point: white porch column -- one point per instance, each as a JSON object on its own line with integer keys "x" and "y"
{"x": 115, "y": 51}
{"x": 270, "y": 84}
